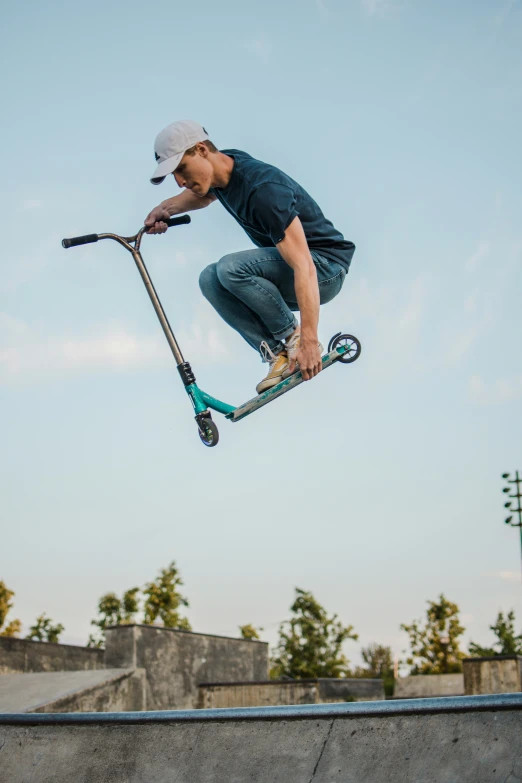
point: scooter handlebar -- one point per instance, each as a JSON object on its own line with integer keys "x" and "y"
{"x": 178, "y": 221}
{"x": 87, "y": 238}
{"x": 73, "y": 241}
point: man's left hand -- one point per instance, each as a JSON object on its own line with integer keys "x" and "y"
{"x": 308, "y": 357}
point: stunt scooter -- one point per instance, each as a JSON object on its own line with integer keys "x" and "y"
{"x": 343, "y": 348}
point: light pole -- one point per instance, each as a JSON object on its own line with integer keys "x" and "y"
{"x": 517, "y": 512}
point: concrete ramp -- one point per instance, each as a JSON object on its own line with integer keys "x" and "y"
{"x": 81, "y": 691}
{"x": 473, "y": 739}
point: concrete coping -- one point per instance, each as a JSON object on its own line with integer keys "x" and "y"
{"x": 449, "y": 704}
{"x": 47, "y": 645}
{"x": 183, "y": 630}
{"x": 289, "y": 681}
{"x": 493, "y": 658}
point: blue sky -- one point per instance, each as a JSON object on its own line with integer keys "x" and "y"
{"x": 376, "y": 486}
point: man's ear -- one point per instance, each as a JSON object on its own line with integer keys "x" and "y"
{"x": 202, "y": 149}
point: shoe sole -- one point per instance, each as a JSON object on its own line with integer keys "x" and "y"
{"x": 261, "y": 387}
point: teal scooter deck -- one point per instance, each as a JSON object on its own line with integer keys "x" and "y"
{"x": 284, "y": 386}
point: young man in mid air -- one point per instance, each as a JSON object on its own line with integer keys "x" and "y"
{"x": 299, "y": 262}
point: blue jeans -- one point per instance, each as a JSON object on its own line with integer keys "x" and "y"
{"x": 253, "y": 291}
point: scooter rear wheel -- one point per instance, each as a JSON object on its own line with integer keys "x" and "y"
{"x": 208, "y": 432}
{"x": 351, "y": 342}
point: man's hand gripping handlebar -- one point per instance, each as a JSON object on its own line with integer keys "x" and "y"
{"x": 88, "y": 238}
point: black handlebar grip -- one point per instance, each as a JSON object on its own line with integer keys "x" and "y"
{"x": 73, "y": 241}
{"x": 178, "y": 221}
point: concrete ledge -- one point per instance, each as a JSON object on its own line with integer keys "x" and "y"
{"x": 476, "y": 739}
{"x": 509, "y": 701}
{"x": 428, "y": 686}
{"x": 27, "y": 655}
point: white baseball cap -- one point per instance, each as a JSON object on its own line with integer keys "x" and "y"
{"x": 172, "y": 143}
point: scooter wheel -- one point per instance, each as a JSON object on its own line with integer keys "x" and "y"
{"x": 351, "y": 342}
{"x": 208, "y": 432}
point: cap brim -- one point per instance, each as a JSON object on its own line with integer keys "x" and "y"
{"x": 165, "y": 168}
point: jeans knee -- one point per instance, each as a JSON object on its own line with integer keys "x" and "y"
{"x": 227, "y": 269}
{"x": 208, "y": 281}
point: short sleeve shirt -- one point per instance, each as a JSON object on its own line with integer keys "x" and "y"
{"x": 264, "y": 201}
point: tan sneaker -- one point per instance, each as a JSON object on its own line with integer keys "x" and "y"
{"x": 291, "y": 348}
{"x": 277, "y": 364}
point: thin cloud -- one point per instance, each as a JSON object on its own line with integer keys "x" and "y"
{"x": 482, "y": 251}
{"x": 498, "y": 392}
{"x": 505, "y": 11}
{"x": 26, "y": 355}
{"x": 509, "y": 576}
{"x": 32, "y": 204}
{"x": 380, "y": 8}
{"x": 394, "y": 315}
{"x": 260, "y": 47}
{"x": 24, "y": 268}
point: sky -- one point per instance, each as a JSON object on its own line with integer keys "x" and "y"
{"x": 377, "y": 486}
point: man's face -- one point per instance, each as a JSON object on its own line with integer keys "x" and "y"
{"x": 194, "y": 172}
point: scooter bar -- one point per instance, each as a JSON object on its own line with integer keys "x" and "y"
{"x": 73, "y": 241}
{"x": 88, "y": 238}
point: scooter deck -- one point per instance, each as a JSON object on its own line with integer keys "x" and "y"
{"x": 284, "y": 386}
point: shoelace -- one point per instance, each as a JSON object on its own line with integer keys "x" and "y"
{"x": 267, "y": 354}
{"x": 293, "y": 345}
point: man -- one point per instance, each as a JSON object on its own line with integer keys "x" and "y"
{"x": 300, "y": 260}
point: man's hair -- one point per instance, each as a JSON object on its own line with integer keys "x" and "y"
{"x": 208, "y": 144}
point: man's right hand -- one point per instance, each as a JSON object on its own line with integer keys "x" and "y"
{"x": 156, "y": 220}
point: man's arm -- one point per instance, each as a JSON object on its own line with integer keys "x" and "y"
{"x": 294, "y": 249}
{"x": 184, "y": 202}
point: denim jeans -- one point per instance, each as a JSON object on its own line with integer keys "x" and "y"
{"x": 253, "y": 291}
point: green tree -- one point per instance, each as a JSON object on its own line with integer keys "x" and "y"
{"x": 310, "y": 643}
{"x": 508, "y": 643}
{"x": 163, "y": 599}
{"x": 15, "y": 626}
{"x": 379, "y": 664}
{"x": 114, "y": 611}
{"x": 44, "y": 631}
{"x": 435, "y": 645}
{"x": 249, "y": 631}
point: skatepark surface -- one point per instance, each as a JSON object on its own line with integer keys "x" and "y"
{"x": 468, "y": 739}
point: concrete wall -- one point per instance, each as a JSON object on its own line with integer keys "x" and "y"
{"x": 474, "y": 739}
{"x": 26, "y": 655}
{"x": 350, "y": 689}
{"x": 177, "y": 661}
{"x": 288, "y": 692}
{"x": 499, "y": 674}
{"x": 257, "y": 694}
{"x": 423, "y": 686}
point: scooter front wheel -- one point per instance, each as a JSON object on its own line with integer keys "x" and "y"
{"x": 208, "y": 432}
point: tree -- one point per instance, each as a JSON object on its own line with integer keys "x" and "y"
{"x": 379, "y": 665}
{"x": 310, "y": 643}
{"x": 44, "y": 631}
{"x": 434, "y": 646}
{"x": 508, "y": 643}
{"x": 15, "y": 626}
{"x": 249, "y": 631}
{"x": 163, "y": 600}
{"x": 114, "y": 611}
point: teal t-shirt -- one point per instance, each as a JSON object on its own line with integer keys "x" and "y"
{"x": 264, "y": 201}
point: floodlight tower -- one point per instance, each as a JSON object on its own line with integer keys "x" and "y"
{"x": 516, "y": 512}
